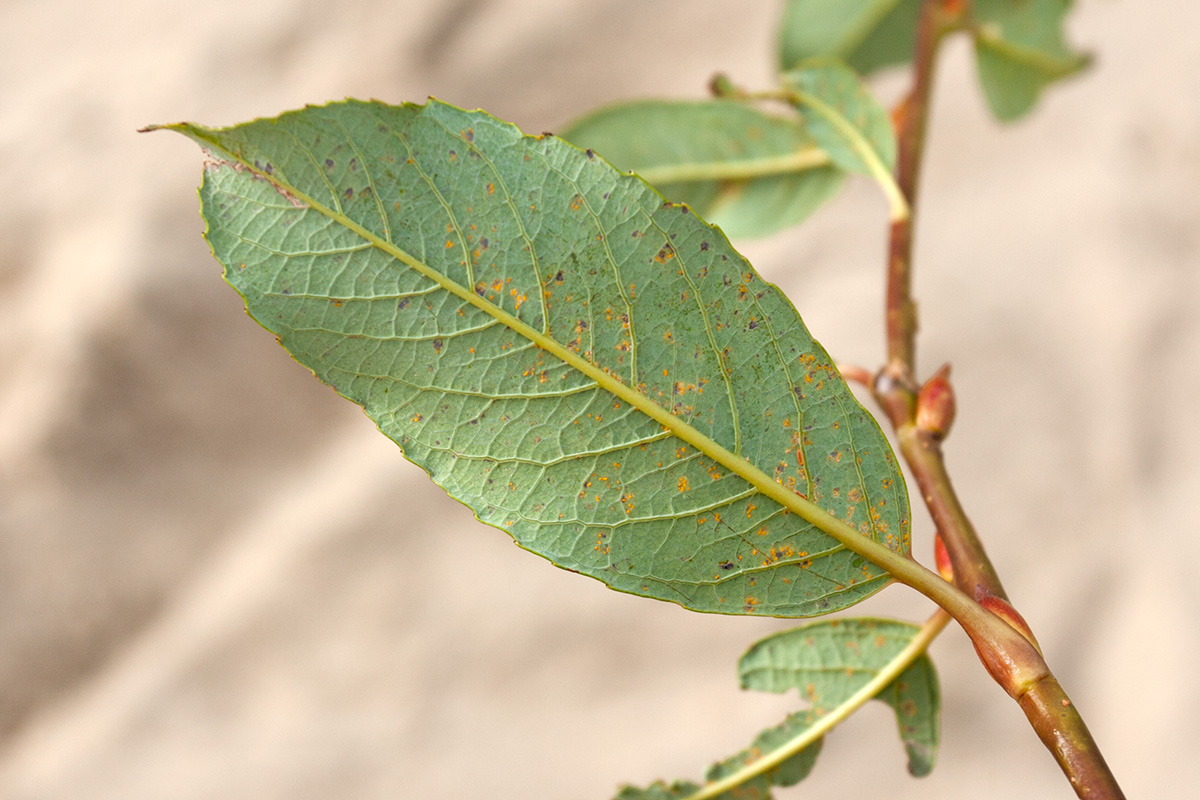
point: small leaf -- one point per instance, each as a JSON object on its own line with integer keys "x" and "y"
{"x": 591, "y": 370}
{"x": 866, "y": 34}
{"x": 836, "y": 666}
{"x": 790, "y": 772}
{"x": 1020, "y": 49}
{"x": 747, "y": 172}
{"x": 658, "y": 791}
{"x": 843, "y": 116}
{"x": 828, "y": 661}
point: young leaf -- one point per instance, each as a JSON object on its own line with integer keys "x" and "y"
{"x": 589, "y": 369}
{"x": 829, "y": 661}
{"x": 1020, "y": 49}
{"x": 847, "y": 122}
{"x": 837, "y": 666}
{"x": 758, "y": 787}
{"x": 866, "y": 34}
{"x": 747, "y": 172}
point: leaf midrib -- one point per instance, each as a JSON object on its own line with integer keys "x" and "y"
{"x": 897, "y": 564}
{"x": 800, "y": 160}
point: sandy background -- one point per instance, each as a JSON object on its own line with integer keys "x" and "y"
{"x": 217, "y": 581}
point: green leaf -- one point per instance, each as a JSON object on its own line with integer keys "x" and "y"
{"x": 747, "y": 172}
{"x": 828, "y": 661}
{"x": 837, "y": 666}
{"x": 843, "y": 116}
{"x": 848, "y": 123}
{"x": 867, "y": 34}
{"x": 790, "y": 772}
{"x": 1020, "y": 49}
{"x": 590, "y": 369}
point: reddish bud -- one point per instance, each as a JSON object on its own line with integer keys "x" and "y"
{"x": 935, "y": 404}
{"x": 1010, "y": 615}
{"x": 954, "y": 7}
{"x": 942, "y": 558}
{"x": 901, "y": 114}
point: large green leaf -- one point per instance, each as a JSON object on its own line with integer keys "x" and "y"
{"x": 830, "y": 660}
{"x": 1020, "y": 49}
{"x": 867, "y": 34}
{"x": 836, "y": 666}
{"x": 590, "y": 369}
{"x": 748, "y": 172}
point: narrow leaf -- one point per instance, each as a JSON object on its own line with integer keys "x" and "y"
{"x": 828, "y": 661}
{"x": 747, "y": 172}
{"x": 867, "y": 34}
{"x": 1020, "y": 49}
{"x": 590, "y": 369}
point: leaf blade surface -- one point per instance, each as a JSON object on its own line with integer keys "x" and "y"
{"x": 828, "y": 661}
{"x": 747, "y": 172}
{"x": 558, "y": 349}
{"x": 867, "y": 34}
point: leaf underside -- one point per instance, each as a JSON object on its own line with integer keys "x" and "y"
{"x": 425, "y": 261}
{"x": 679, "y": 145}
{"x": 841, "y": 92}
{"x": 827, "y": 662}
{"x": 866, "y": 34}
{"x": 1020, "y": 50}
{"x": 830, "y": 660}
{"x": 1020, "y": 47}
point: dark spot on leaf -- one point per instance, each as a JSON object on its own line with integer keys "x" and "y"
{"x": 403, "y": 304}
{"x": 753, "y": 323}
{"x": 349, "y": 193}
{"x": 558, "y": 278}
{"x": 329, "y": 163}
{"x": 590, "y": 154}
{"x": 637, "y": 234}
{"x": 437, "y": 345}
{"x": 354, "y": 165}
{"x": 726, "y": 565}
{"x": 704, "y": 245}
{"x": 606, "y": 195}
{"x": 483, "y": 243}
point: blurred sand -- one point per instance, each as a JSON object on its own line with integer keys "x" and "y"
{"x": 217, "y": 581}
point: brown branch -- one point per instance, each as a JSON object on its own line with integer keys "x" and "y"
{"x": 922, "y": 419}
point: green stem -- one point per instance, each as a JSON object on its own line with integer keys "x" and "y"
{"x": 798, "y": 161}
{"x": 902, "y": 661}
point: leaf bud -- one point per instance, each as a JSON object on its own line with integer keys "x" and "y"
{"x": 1006, "y": 612}
{"x": 936, "y": 405}
{"x": 942, "y": 558}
